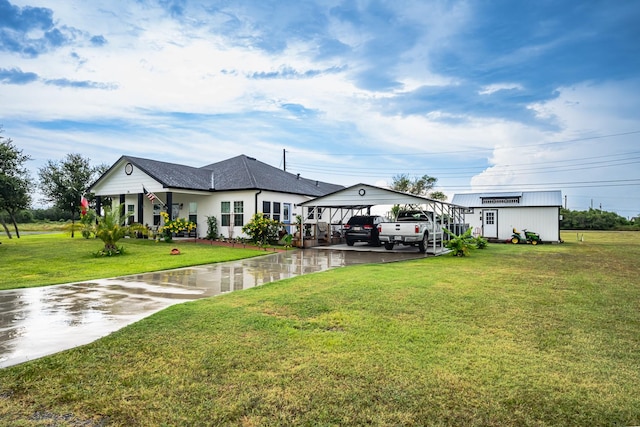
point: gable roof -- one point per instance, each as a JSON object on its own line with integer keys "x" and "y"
{"x": 238, "y": 173}
{"x": 365, "y": 196}
{"x": 508, "y": 199}
{"x": 243, "y": 172}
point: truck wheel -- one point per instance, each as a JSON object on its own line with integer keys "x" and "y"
{"x": 350, "y": 242}
{"x": 388, "y": 246}
{"x": 422, "y": 246}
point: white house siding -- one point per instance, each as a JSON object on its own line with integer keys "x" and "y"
{"x": 117, "y": 183}
{"x": 542, "y": 220}
{"x": 208, "y": 204}
{"x": 211, "y": 205}
{"x": 537, "y": 211}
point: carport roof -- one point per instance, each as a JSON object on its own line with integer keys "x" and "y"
{"x": 361, "y": 196}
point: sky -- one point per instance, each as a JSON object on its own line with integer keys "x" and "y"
{"x": 485, "y": 96}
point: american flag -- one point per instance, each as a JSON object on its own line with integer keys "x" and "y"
{"x": 149, "y": 194}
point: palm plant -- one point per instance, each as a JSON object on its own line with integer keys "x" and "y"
{"x": 110, "y": 228}
{"x": 460, "y": 245}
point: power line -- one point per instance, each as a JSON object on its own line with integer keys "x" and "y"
{"x": 466, "y": 172}
{"x": 475, "y": 150}
{"x": 528, "y": 166}
{"x": 569, "y": 184}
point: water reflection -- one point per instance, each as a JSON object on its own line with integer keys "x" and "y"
{"x": 39, "y": 321}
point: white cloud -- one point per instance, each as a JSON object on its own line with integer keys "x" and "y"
{"x": 488, "y": 90}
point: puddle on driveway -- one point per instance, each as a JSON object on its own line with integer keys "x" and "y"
{"x": 36, "y": 322}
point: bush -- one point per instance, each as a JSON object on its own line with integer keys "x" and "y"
{"x": 174, "y": 226}
{"x": 481, "y": 242}
{"x": 262, "y": 230}
{"x": 212, "y": 228}
{"x": 462, "y": 244}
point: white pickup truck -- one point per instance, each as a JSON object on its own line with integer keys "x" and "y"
{"x": 411, "y": 228}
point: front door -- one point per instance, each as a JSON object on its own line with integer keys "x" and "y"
{"x": 490, "y": 223}
{"x": 286, "y": 216}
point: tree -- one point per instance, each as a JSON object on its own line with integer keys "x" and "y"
{"x": 65, "y": 182}
{"x": 421, "y": 186}
{"x": 418, "y": 186}
{"x": 438, "y": 195}
{"x": 15, "y": 183}
{"x": 593, "y": 219}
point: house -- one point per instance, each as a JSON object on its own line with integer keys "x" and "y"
{"x": 495, "y": 215}
{"x": 232, "y": 191}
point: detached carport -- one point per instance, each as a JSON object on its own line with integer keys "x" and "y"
{"x": 323, "y": 217}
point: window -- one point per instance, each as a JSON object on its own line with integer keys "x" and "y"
{"x": 238, "y": 214}
{"x": 193, "y": 212}
{"x": 313, "y": 211}
{"x": 130, "y": 214}
{"x": 276, "y": 211}
{"x": 266, "y": 209}
{"x": 225, "y": 209}
{"x": 156, "y": 214}
{"x": 489, "y": 218}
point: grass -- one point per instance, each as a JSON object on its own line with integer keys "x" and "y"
{"x": 46, "y": 259}
{"x": 40, "y": 226}
{"x": 511, "y": 336}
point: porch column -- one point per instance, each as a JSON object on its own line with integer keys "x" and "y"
{"x": 123, "y": 220}
{"x": 170, "y": 204}
{"x": 98, "y": 204}
{"x": 140, "y": 208}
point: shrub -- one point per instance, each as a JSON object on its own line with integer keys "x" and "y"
{"x": 262, "y": 230}
{"x": 462, "y": 244}
{"x": 174, "y": 226}
{"x": 212, "y": 228}
{"x": 481, "y": 242}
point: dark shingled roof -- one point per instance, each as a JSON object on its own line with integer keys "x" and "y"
{"x": 238, "y": 173}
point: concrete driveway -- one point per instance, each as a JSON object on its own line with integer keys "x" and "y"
{"x": 36, "y": 322}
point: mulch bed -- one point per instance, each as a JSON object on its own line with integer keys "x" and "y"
{"x": 233, "y": 245}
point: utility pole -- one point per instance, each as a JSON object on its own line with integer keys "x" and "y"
{"x": 284, "y": 160}
{"x": 565, "y": 201}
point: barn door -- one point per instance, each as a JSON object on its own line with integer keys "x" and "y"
{"x": 490, "y": 223}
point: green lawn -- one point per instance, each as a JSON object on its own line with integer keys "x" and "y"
{"x": 46, "y": 259}
{"x": 511, "y": 336}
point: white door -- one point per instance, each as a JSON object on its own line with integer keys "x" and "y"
{"x": 490, "y": 223}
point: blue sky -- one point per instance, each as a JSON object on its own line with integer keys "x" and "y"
{"x": 483, "y": 95}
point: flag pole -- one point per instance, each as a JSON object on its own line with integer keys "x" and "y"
{"x": 151, "y": 196}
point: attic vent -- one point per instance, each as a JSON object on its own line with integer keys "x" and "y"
{"x": 505, "y": 200}
{"x": 298, "y": 176}
{"x": 317, "y": 183}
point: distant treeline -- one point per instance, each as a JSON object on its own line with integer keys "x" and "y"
{"x": 596, "y": 219}
{"x": 27, "y": 216}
